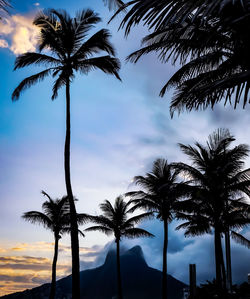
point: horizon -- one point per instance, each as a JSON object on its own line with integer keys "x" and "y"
{"x": 118, "y": 130}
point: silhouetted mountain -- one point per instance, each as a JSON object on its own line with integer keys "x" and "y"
{"x": 138, "y": 279}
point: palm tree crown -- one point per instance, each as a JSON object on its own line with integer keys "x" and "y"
{"x": 63, "y": 36}
{"x": 55, "y": 216}
{"x": 115, "y": 220}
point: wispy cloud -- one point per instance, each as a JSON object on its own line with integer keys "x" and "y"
{"x": 18, "y": 34}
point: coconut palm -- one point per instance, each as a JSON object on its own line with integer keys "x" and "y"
{"x": 161, "y": 191}
{"x": 56, "y": 219}
{"x": 115, "y": 221}
{"x": 66, "y": 39}
{"x": 216, "y": 179}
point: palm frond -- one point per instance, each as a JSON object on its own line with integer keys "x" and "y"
{"x": 240, "y": 239}
{"x": 30, "y": 58}
{"x": 107, "y": 64}
{"x": 29, "y": 81}
{"x": 100, "y": 228}
{"x": 39, "y": 218}
{"x": 137, "y": 233}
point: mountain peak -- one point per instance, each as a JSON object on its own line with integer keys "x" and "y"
{"x": 137, "y": 250}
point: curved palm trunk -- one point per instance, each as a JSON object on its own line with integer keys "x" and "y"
{"x": 53, "y": 280}
{"x": 73, "y": 218}
{"x": 164, "y": 263}
{"x": 119, "y": 280}
{"x": 228, "y": 260}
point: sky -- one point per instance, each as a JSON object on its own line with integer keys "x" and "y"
{"x": 118, "y": 130}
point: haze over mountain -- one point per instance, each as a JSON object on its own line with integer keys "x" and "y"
{"x": 139, "y": 281}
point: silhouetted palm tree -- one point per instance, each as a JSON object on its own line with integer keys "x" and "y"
{"x": 215, "y": 180}
{"x": 115, "y": 221}
{"x": 71, "y": 52}
{"x": 161, "y": 191}
{"x": 55, "y": 218}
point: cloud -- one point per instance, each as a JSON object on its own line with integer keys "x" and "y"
{"x": 18, "y": 34}
{"x": 3, "y": 43}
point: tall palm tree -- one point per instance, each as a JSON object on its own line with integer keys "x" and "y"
{"x": 56, "y": 219}
{"x": 216, "y": 179}
{"x": 65, "y": 38}
{"x": 161, "y": 191}
{"x": 115, "y": 221}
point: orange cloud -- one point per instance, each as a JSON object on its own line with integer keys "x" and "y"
{"x": 18, "y": 34}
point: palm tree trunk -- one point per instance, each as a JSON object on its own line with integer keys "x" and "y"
{"x": 73, "y": 218}
{"x": 228, "y": 259}
{"x": 223, "y": 270}
{"x": 164, "y": 261}
{"x": 119, "y": 280}
{"x": 217, "y": 241}
{"x": 53, "y": 280}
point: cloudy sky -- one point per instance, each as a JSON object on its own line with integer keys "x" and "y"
{"x": 118, "y": 129}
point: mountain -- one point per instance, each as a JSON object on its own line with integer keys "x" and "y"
{"x": 139, "y": 281}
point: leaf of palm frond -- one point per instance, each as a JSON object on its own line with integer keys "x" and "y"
{"x": 29, "y": 58}
{"x": 97, "y": 42}
{"x": 60, "y": 82}
{"x": 46, "y": 194}
{"x": 145, "y": 204}
{"x": 102, "y": 220}
{"x": 107, "y": 64}
{"x": 137, "y": 233}
{"x": 113, "y": 4}
{"x": 209, "y": 88}
{"x": 136, "y": 194}
{"x": 84, "y": 20}
{"x": 240, "y": 239}
{"x": 84, "y": 218}
{"x": 195, "y": 67}
{"x": 38, "y": 217}
{"x": 136, "y": 219}
{"x": 100, "y": 228}
{"x": 192, "y": 173}
{"x": 107, "y": 208}
{"x": 29, "y": 81}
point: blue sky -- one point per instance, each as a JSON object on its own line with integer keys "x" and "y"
{"x": 118, "y": 129}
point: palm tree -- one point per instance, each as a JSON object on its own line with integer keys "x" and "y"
{"x": 215, "y": 181}
{"x": 115, "y": 221}
{"x": 161, "y": 191}
{"x": 65, "y": 38}
{"x": 56, "y": 219}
